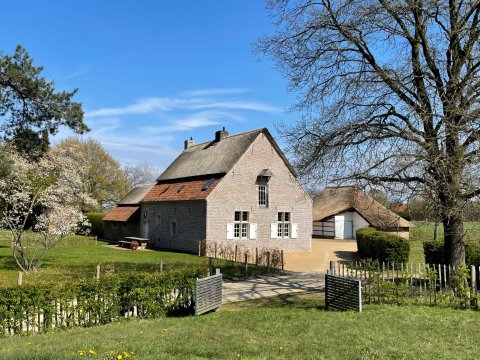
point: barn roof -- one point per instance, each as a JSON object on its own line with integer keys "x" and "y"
{"x": 216, "y": 157}
{"x": 182, "y": 189}
{"x": 136, "y": 195}
{"x": 121, "y": 213}
{"x": 335, "y": 200}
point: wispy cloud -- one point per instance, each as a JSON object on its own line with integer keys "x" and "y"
{"x": 217, "y": 91}
{"x": 188, "y": 101}
{"x": 194, "y": 121}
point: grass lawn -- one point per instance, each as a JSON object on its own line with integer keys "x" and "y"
{"x": 294, "y": 327}
{"x": 78, "y": 256}
{"x": 423, "y": 231}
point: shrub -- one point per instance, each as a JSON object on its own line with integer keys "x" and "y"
{"x": 434, "y": 252}
{"x": 40, "y": 308}
{"x": 95, "y": 219}
{"x": 382, "y": 246}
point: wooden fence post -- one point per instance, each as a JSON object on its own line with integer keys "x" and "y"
{"x": 332, "y": 267}
{"x": 20, "y": 278}
{"x": 97, "y": 274}
{"x": 246, "y": 264}
{"x": 209, "y": 265}
{"x": 268, "y": 261}
{"x": 282, "y": 260}
{"x": 473, "y": 279}
{"x": 236, "y": 249}
{"x": 215, "y": 249}
{"x": 256, "y": 256}
{"x": 161, "y": 266}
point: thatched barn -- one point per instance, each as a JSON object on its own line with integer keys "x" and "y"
{"x": 124, "y": 219}
{"x": 338, "y": 212}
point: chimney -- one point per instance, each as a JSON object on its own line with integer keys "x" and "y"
{"x": 220, "y": 135}
{"x": 188, "y": 143}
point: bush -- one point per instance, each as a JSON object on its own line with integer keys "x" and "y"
{"x": 95, "y": 219}
{"x": 434, "y": 252}
{"x": 382, "y": 246}
{"x": 40, "y": 308}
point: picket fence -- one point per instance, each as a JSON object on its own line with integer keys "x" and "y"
{"x": 395, "y": 282}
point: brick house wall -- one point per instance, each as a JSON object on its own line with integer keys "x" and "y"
{"x": 190, "y": 224}
{"x": 238, "y": 191}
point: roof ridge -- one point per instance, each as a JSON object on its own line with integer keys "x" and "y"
{"x": 228, "y": 137}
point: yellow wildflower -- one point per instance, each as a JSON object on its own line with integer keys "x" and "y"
{"x": 119, "y": 357}
{"x": 92, "y": 352}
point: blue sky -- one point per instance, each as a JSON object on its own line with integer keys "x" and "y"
{"x": 153, "y": 73}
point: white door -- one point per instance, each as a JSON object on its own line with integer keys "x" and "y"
{"x": 339, "y": 228}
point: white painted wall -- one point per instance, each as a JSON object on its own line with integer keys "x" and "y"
{"x": 347, "y": 223}
{"x": 358, "y": 223}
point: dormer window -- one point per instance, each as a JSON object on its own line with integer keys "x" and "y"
{"x": 207, "y": 184}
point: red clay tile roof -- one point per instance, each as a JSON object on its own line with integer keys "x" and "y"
{"x": 121, "y": 213}
{"x": 180, "y": 190}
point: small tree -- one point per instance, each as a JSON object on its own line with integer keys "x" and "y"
{"x": 41, "y": 205}
{"x": 141, "y": 174}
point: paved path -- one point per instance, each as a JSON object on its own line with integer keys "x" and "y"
{"x": 269, "y": 286}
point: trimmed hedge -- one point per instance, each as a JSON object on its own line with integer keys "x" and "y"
{"x": 41, "y": 308}
{"x": 435, "y": 253}
{"x": 382, "y": 246}
{"x": 95, "y": 219}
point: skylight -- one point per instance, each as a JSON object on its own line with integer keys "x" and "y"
{"x": 180, "y": 188}
{"x": 207, "y": 184}
{"x": 165, "y": 189}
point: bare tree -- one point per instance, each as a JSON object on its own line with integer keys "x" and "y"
{"x": 389, "y": 92}
{"x": 140, "y": 174}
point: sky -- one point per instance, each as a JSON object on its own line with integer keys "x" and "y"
{"x": 152, "y": 74}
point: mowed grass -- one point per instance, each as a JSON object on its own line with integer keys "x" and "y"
{"x": 295, "y": 327}
{"x": 78, "y": 256}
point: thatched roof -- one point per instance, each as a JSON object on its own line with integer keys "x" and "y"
{"x": 136, "y": 195}
{"x": 335, "y": 200}
{"x": 216, "y": 157}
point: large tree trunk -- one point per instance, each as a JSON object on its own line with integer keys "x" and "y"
{"x": 454, "y": 240}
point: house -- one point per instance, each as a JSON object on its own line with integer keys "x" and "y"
{"x": 338, "y": 212}
{"x": 124, "y": 219}
{"x": 232, "y": 190}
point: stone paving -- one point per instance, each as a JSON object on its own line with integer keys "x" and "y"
{"x": 269, "y": 286}
{"x": 305, "y": 272}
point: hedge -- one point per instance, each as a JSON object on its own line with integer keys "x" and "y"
{"x": 435, "y": 253}
{"x": 382, "y": 246}
{"x": 34, "y": 308}
{"x": 95, "y": 219}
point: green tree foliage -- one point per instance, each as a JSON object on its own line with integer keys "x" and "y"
{"x": 102, "y": 176}
{"x": 30, "y": 108}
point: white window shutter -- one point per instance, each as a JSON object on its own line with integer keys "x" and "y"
{"x": 253, "y": 231}
{"x": 229, "y": 231}
{"x": 294, "y": 231}
{"x": 274, "y": 230}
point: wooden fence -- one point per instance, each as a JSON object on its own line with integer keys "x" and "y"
{"x": 427, "y": 283}
{"x": 208, "y": 293}
{"x": 268, "y": 258}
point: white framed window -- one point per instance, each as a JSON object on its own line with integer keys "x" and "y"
{"x": 262, "y": 195}
{"x": 241, "y": 225}
{"x": 283, "y": 225}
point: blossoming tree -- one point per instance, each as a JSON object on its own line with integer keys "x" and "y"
{"x": 40, "y": 203}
